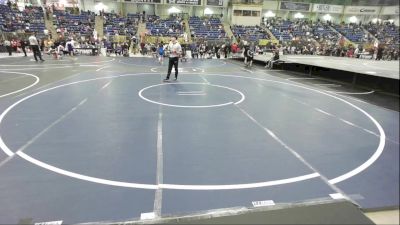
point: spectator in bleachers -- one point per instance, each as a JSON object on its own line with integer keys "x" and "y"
{"x": 387, "y": 33}
{"x": 307, "y": 37}
{"x": 208, "y": 28}
{"x": 80, "y": 24}
{"x": 249, "y": 33}
{"x": 28, "y": 20}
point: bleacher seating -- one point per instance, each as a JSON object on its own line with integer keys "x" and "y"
{"x": 31, "y": 19}
{"x": 250, "y": 33}
{"x": 351, "y": 31}
{"x": 385, "y": 32}
{"x": 82, "y": 24}
{"x": 286, "y": 30}
{"x": 211, "y": 29}
{"x": 167, "y": 27}
{"x": 114, "y": 24}
{"x": 324, "y": 34}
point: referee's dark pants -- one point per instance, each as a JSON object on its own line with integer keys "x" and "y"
{"x": 173, "y": 61}
{"x": 36, "y": 52}
{"x": 9, "y": 50}
{"x": 23, "y": 50}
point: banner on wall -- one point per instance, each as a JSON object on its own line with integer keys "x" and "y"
{"x": 144, "y": 1}
{"x": 267, "y": 41}
{"x": 390, "y": 10}
{"x": 295, "y": 6}
{"x": 62, "y": 5}
{"x": 215, "y": 2}
{"x": 324, "y": 8}
{"x": 184, "y": 2}
{"x": 362, "y": 10}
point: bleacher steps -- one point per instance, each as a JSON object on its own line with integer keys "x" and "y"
{"x": 141, "y": 30}
{"x": 50, "y": 26}
{"x": 228, "y": 31}
{"x": 367, "y": 32}
{"x": 345, "y": 38}
{"x": 99, "y": 26}
{"x": 187, "y": 30}
{"x": 270, "y": 33}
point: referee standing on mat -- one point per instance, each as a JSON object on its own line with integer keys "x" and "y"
{"x": 33, "y": 42}
{"x": 175, "y": 50}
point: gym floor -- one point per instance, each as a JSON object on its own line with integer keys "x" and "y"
{"x": 104, "y": 139}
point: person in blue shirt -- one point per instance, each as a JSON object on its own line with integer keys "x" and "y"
{"x": 161, "y": 53}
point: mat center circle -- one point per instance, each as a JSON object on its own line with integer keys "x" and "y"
{"x": 191, "y": 95}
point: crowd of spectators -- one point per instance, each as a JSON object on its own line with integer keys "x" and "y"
{"x": 30, "y": 19}
{"x": 324, "y": 34}
{"x": 302, "y": 47}
{"x": 386, "y": 32}
{"x": 286, "y": 30}
{"x": 115, "y": 24}
{"x": 249, "y": 33}
{"x": 301, "y": 36}
{"x": 172, "y": 26}
{"x": 324, "y": 38}
{"x": 206, "y": 28}
{"x": 354, "y": 32}
{"x": 80, "y": 24}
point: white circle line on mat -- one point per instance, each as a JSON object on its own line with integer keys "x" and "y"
{"x": 338, "y": 179}
{"x": 22, "y": 89}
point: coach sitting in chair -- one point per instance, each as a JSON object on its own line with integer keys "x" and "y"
{"x": 274, "y": 59}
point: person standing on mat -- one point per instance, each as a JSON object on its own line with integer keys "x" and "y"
{"x": 23, "y": 44}
{"x": 7, "y": 44}
{"x": 35, "y": 47}
{"x": 175, "y": 50}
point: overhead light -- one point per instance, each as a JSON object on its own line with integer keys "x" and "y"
{"x": 391, "y": 21}
{"x": 269, "y": 14}
{"x": 375, "y": 20}
{"x": 327, "y": 17}
{"x": 353, "y": 19}
{"x": 173, "y": 9}
{"x": 100, "y": 6}
{"x": 208, "y": 11}
{"x": 298, "y": 16}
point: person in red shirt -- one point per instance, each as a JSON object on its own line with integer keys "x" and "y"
{"x": 14, "y": 45}
{"x": 142, "y": 45}
{"x": 234, "y": 48}
{"x": 350, "y": 53}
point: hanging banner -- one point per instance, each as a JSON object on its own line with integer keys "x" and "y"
{"x": 215, "y": 2}
{"x": 295, "y": 6}
{"x": 324, "y": 8}
{"x": 58, "y": 5}
{"x": 184, "y": 2}
{"x": 390, "y": 10}
{"x": 362, "y": 10}
{"x": 144, "y": 1}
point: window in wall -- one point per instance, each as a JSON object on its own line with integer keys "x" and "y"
{"x": 237, "y": 12}
{"x": 246, "y": 13}
{"x": 255, "y": 13}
